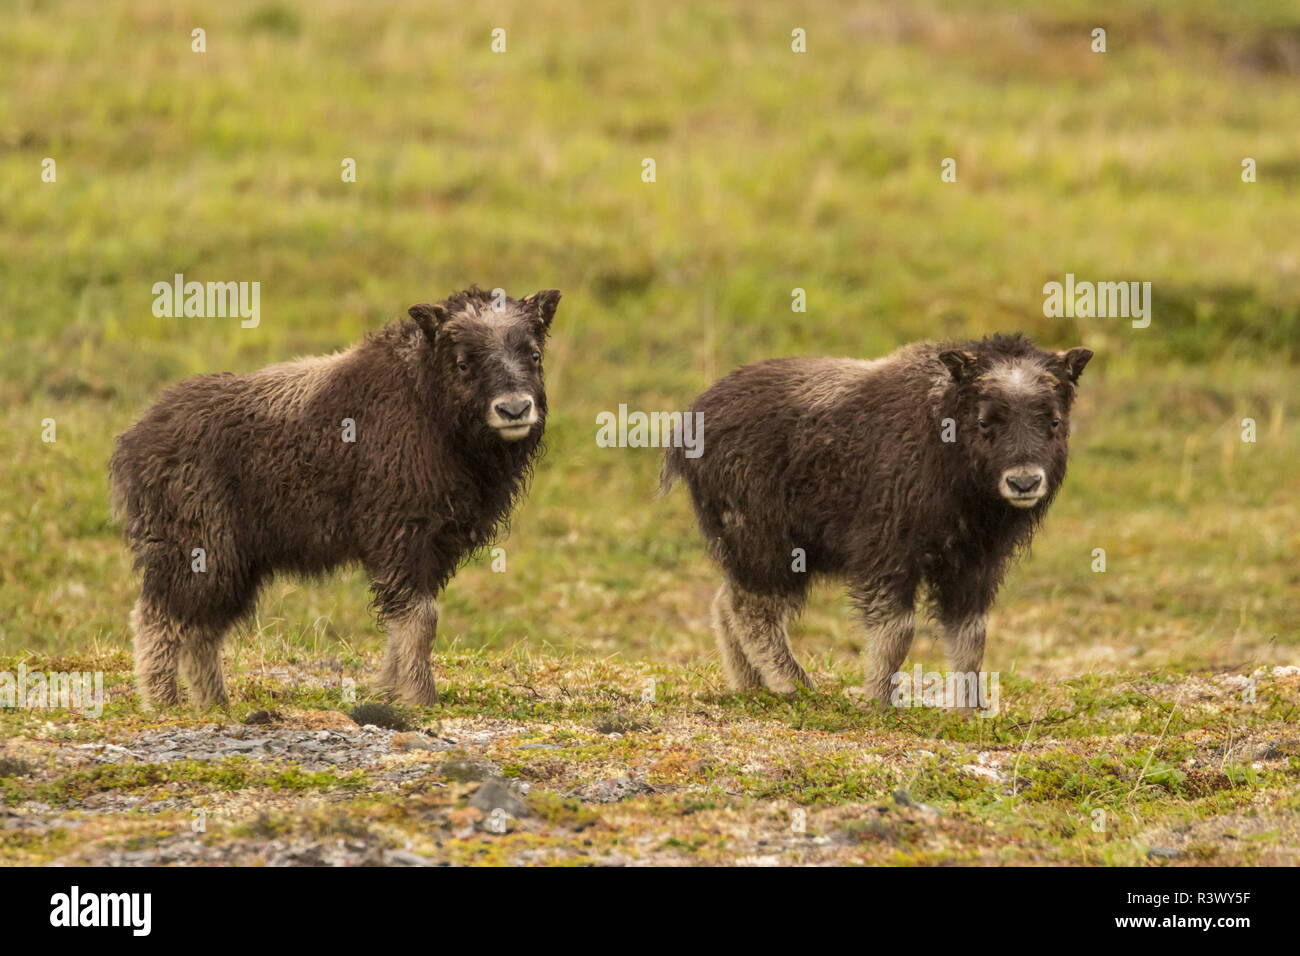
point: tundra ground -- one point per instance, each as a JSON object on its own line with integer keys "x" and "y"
{"x": 561, "y": 761}
{"x": 1164, "y": 576}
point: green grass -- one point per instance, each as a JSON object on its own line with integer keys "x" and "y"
{"x": 230, "y": 774}
{"x": 774, "y": 171}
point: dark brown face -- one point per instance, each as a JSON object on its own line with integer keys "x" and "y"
{"x": 1014, "y": 419}
{"x": 489, "y": 355}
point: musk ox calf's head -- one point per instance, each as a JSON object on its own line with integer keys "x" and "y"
{"x": 1011, "y": 403}
{"x": 487, "y": 350}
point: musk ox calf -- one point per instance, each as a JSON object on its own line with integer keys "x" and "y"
{"x": 931, "y": 466}
{"x": 403, "y": 454}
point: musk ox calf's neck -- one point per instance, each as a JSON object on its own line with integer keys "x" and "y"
{"x": 404, "y": 454}
{"x": 928, "y": 467}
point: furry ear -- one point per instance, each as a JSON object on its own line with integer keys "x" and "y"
{"x": 1072, "y": 362}
{"x": 429, "y": 318}
{"x": 543, "y": 303}
{"x": 960, "y": 363}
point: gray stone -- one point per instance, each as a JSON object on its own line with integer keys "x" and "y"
{"x": 495, "y": 794}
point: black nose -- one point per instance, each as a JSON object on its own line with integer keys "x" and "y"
{"x": 513, "y": 410}
{"x": 1024, "y": 484}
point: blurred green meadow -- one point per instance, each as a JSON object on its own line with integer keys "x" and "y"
{"x": 775, "y": 170}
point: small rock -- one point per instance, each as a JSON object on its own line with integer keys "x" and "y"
{"x": 411, "y": 741}
{"x": 495, "y": 794}
{"x": 904, "y": 799}
{"x": 989, "y": 773}
{"x": 612, "y": 790}
{"x": 245, "y": 746}
{"x": 405, "y": 858}
{"x": 1163, "y": 852}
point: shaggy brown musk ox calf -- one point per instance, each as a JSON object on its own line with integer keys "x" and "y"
{"x": 930, "y": 466}
{"x": 404, "y": 453}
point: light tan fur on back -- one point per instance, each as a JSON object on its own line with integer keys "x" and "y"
{"x": 289, "y": 386}
{"x": 832, "y": 379}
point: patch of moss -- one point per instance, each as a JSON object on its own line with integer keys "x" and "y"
{"x": 381, "y": 715}
{"x": 182, "y": 776}
{"x": 460, "y": 769}
{"x": 561, "y": 811}
{"x": 618, "y": 723}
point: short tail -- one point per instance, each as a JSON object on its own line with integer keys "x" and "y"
{"x": 119, "y": 483}
{"x": 124, "y": 479}
{"x": 671, "y": 469}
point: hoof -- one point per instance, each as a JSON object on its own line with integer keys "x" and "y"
{"x": 789, "y": 686}
{"x": 422, "y": 695}
{"x": 427, "y": 698}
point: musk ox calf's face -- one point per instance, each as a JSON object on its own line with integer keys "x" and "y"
{"x": 488, "y": 351}
{"x": 1013, "y": 419}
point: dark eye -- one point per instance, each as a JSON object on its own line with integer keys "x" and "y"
{"x": 984, "y": 423}
{"x": 1056, "y": 422}
{"x": 537, "y": 356}
{"x": 462, "y": 365}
